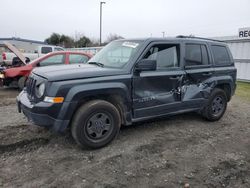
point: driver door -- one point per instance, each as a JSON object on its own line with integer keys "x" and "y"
{"x": 157, "y": 92}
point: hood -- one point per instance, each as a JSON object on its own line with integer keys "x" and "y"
{"x": 15, "y": 51}
{"x": 76, "y": 71}
{"x": 18, "y": 71}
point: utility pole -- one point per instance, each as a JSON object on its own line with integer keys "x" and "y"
{"x": 102, "y": 2}
{"x": 163, "y": 34}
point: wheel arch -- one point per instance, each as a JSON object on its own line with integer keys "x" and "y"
{"x": 226, "y": 87}
{"x": 226, "y": 83}
{"x": 116, "y": 94}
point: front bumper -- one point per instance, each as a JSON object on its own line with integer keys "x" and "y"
{"x": 42, "y": 114}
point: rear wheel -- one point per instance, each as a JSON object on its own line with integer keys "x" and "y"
{"x": 95, "y": 124}
{"x": 216, "y": 106}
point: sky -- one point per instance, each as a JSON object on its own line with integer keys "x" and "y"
{"x": 37, "y": 19}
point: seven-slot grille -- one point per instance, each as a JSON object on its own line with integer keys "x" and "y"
{"x": 31, "y": 87}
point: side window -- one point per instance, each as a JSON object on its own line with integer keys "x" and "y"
{"x": 220, "y": 54}
{"x": 77, "y": 58}
{"x": 196, "y": 54}
{"x": 46, "y": 50}
{"x": 58, "y": 49}
{"x": 52, "y": 60}
{"x": 166, "y": 55}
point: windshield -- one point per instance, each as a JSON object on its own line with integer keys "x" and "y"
{"x": 116, "y": 54}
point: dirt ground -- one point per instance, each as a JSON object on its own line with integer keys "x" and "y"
{"x": 167, "y": 152}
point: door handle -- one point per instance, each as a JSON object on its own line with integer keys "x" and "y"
{"x": 207, "y": 74}
{"x": 174, "y": 77}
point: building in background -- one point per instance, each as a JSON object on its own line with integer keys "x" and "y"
{"x": 89, "y": 50}
{"x": 24, "y": 45}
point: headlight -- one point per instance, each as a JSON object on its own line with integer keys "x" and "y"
{"x": 40, "y": 90}
{"x": 54, "y": 99}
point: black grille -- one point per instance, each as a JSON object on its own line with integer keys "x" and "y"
{"x": 31, "y": 87}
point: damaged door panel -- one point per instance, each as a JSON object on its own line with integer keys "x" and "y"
{"x": 196, "y": 93}
{"x": 158, "y": 92}
{"x": 198, "y": 82}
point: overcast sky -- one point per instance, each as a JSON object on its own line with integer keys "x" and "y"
{"x": 34, "y": 19}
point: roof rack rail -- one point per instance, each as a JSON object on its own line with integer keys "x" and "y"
{"x": 193, "y": 37}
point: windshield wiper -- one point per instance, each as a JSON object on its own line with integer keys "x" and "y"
{"x": 96, "y": 63}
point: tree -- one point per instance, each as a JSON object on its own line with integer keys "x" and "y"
{"x": 112, "y": 37}
{"x": 66, "y": 41}
{"x": 78, "y": 41}
{"x": 83, "y": 42}
{"x": 60, "y": 40}
{"x": 54, "y": 39}
{"x": 94, "y": 42}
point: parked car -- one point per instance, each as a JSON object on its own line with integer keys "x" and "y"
{"x": 3, "y": 49}
{"x": 9, "y": 57}
{"x": 130, "y": 81}
{"x": 17, "y": 76}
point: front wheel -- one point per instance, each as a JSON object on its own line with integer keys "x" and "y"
{"x": 95, "y": 124}
{"x": 217, "y": 105}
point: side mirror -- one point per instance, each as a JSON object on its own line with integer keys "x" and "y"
{"x": 146, "y": 65}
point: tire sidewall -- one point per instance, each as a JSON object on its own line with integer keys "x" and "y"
{"x": 83, "y": 117}
{"x": 210, "y": 114}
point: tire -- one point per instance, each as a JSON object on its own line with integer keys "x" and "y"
{"x": 21, "y": 82}
{"x": 217, "y": 105}
{"x": 16, "y": 62}
{"x": 95, "y": 124}
{"x": 27, "y": 60}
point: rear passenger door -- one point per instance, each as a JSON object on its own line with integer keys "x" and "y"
{"x": 199, "y": 71}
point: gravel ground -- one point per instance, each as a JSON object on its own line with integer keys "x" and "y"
{"x": 168, "y": 152}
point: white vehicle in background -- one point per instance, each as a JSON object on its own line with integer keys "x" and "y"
{"x": 9, "y": 58}
{"x": 88, "y": 50}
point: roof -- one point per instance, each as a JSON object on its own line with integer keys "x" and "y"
{"x": 22, "y": 40}
{"x": 70, "y": 52}
{"x": 232, "y": 39}
{"x": 178, "y": 38}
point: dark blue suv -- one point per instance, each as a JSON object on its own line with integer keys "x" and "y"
{"x": 130, "y": 81}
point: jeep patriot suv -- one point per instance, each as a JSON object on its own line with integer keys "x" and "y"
{"x": 130, "y": 81}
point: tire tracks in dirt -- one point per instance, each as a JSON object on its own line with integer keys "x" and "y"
{"x": 24, "y": 145}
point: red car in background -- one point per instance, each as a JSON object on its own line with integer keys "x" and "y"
{"x": 17, "y": 76}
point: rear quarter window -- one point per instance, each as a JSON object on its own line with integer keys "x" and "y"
{"x": 221, "y": 55}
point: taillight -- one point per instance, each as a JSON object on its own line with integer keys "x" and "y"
{"x": 4, "y": 56}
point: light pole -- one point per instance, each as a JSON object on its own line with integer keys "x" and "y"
{"x": 163, "y": 34}
{"x": 102, "y": 2}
